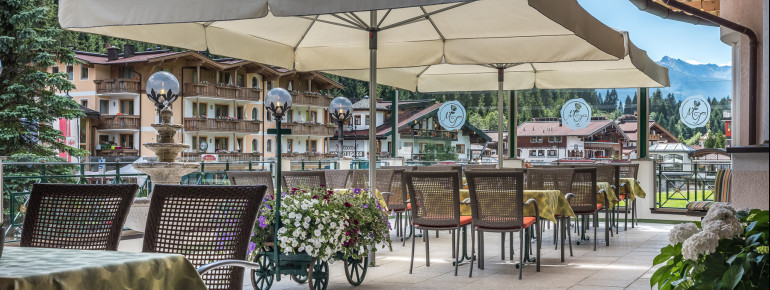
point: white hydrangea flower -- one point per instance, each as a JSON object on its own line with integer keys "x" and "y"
{"x": 718, "y": 211}
{"x": 704, "y": 242}
{"x": 681, "y": 232}
{"x": 725, "y": 229}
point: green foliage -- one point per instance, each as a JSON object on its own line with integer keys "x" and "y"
{"x": 694, "y": 139}
{"x": 30, "y": 42}
{"x": 439, "y": 152}
{"x": 715, "y": 140}
{"x": 738, "y": 263}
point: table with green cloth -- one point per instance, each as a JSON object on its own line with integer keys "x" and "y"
{"x": 610, "y": 194}
{"x": 550, "y": 203}
{"x": 632, "y": 188}
{"x": 43, "y": 268}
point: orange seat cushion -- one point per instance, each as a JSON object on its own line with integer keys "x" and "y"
{"x": 464, "y": 220}
{"x": 622, "y": 197}
{"x": 528, "y": 221}
{"x": 599, "y": 206}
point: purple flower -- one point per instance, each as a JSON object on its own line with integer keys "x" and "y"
{"x": 357, "y": 191}
{"x": 364, "y": 206}
{"x": 252, "y": 247}
{"x": 347, "y": 204}
{"x": 262, "y": 222}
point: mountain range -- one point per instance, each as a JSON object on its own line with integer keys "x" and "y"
{"x": 689, "y": 79}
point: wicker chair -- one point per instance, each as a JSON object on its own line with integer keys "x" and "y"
{"x": 721, "y": 193}
{"x": 396, "y": 199}
{"x": 205, "y": 223}
{"x": 405, "y": 168}
{"x": 480, "y": 166}
{"x": 609, "y": 173}
{"x": 583, "y": 201}
{"x": 296, "y": 179}
{"x": 433, "y": 208}
{"x": 497, "y": 205}
{"x": 77, "y": 216}
{"x": 629, "y": 171}
{"x": 559, "y": 178}
{"x": 252, "y": 178}
{"x": 337, "y": 178}
{"x": 359, "y": 178}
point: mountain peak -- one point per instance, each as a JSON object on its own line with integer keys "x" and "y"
{"x": 691, "y": 78}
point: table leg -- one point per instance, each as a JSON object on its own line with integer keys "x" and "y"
{"x": 527, "y": 238}
{"x": 464, "y": 255}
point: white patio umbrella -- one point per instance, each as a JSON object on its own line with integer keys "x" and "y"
{"x": 636, "y": 69}
{"x": 354, "y": 34}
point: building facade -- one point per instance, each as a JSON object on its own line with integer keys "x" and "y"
{"x": 546, "y": 140}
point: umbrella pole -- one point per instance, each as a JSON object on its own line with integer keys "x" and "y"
{"x": 372, "y": 108}
{"x": 500, "y": 117}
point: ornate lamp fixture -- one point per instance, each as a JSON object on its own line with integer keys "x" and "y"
{"x": 163, "y": 89}
{"x": 340, "y": 110}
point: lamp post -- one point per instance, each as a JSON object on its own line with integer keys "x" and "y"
{"x": 163, "y": 89}
{"x": 277, "y": 102}
{"x": 340, "y": 110}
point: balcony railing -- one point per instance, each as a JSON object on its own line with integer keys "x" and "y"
{"x": 221, "y": 157}
{"x": 440, "y": 134}
{"x": 310, "y": 99}
{"x": 309, "y": 129}
{"x": 107, "y": 122}
{"x": 225, "y": 92}
{"x": 117, "y": 86}
{"x": 221, "y": 125}
{"x": 117, "y": 152}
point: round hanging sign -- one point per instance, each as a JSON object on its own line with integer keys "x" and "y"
{"x": 695, "y": 111}
{"x": 204, "y": 145}
{"x": 576, "y": 114}
{"x": 451, "y": 115}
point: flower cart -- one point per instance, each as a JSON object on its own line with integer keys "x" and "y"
{"x": 316, "y": 226}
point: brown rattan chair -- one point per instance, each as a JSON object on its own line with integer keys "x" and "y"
{"x": 252, "y": 178}
{"x": 396, "y": 200}
{"x": 497, "y": 205}
{"x": 583, "y": 201}
{"x": 553, "y": 178}
{"x": 629, "y": 171}
{"x": 433, "y": 208}
{"x": 76, "y": 216}
{"x": 205, "y": 224}
{"x": 337, "y": 178}
{"x": 611, "y": 174}
{"x": 359, "y": 178}
{"x": 297, "y": 179}
{"x": 405, "y": 168}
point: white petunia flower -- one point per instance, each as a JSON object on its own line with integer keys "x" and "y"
{"x": 681, "y": 232}
{"x": 307, "y": 219}
{"x": 306, "y": 225}
{"x": 704, "y": 242}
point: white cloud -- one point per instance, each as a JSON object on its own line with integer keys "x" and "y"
{"x": 695, "y": 62}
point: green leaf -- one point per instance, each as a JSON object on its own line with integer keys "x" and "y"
{"x": 660, "y": 259}
{"x": 753, "y": 238}
{"x": 659, "y": 275}
{"x": 732, "y": 258}
{"x": 732, "y": 277}
{"x": 751, "y": 226}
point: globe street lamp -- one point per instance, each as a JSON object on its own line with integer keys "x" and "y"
{"x": 340, "y": 110}
{"x": 162, "y": 88}
{"x": 277, "y": 102}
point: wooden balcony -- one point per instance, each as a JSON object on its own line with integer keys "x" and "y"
{"x": 310, "y": 129}
{"x": 224, "y": 92}
{"x": 112, "y": 122}
{"x": 117, "y": 152}
{"x": 308, "y": 99}
{"x": 117, "y": 86}
{"x": 654, "y": 137}
{"x": 433, "y": 134}
{"x": 221, "y": 125}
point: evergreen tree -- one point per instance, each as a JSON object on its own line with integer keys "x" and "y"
{"x": 30, "y": 42}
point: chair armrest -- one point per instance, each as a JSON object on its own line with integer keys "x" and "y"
{"x": 568, "y": 196}
{"x": 537, "y": 210}
{"x": 386, "y": 193}
{"x": 466, "y": 201}
{"x": 224, "y": 263}
{"x": 606, "y": 200}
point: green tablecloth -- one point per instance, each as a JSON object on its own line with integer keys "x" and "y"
{"x": 40, "y": 268}
{"x": 632, "y": 188}
{"x": 613, "y": 199}
{"x": 550, "y": 203}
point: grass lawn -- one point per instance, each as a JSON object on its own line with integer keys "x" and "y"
{"x": 666, "y": 203}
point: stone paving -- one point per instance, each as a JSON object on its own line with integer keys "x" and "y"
{"x": 627, "y": 263}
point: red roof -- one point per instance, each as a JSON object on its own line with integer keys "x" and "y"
{"x": 139, "y": 57}
{"x": 553, "y": 128}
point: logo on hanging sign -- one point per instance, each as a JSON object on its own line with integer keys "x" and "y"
{"x": 451, "y": 115}
{"x": 695, "y": 111}
{"x": 576, "y": 114}
{"x": 209, "y": 158}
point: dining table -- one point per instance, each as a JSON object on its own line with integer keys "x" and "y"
{"x": 27, "y": 268}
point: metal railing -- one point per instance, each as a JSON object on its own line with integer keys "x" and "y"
{"x": 680, "y": 183}
{"x": 303, "y": 165}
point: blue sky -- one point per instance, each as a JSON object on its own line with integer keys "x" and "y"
{"x": 661, "y": 37}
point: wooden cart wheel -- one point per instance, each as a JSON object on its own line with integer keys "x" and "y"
{"x": 355, "y": 270}
{"x": 318, "y": 274}
{"x": 262, "y": 278}
{"x": 300, "y": 279}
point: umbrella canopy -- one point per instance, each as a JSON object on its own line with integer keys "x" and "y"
{"x": 635, "y": 70}
{"x": 484, "y": 31}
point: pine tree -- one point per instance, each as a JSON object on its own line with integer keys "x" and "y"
{"x": 30, "y": 42}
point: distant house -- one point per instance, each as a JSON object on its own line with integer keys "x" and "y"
{"x": 672, "y": 156}
{"x": 547, "y": 139}
{"x": 657, "y": 134}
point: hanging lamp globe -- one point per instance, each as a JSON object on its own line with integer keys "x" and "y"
{"x": 162, "y": 88}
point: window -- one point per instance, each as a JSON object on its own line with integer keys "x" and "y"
{"x": 313, "y": 146}
{"x": 289, "y": 145}
{"x": 518, "y": 152}
{"x": 221, "y": 111}
{"x": 54, "y": 69}
{"x": 239, "y": 142}
{"x": 269, "y": 146}
{"x": 227, "y": 79}
{"x": 127, "y": 107}
{"x": 84, "y": 102}
{"x": 83, "y": 72}
{"x": 551, "y": 153}
{"x": 254, "y": 145}
{"x": 290, "y": 86}
{"x": 255, "y": 82}
{"x": 254, "y": 113}
{"x": 313, "y": 117}
{"x": 126, "y": 141}
{"x": 239, "y": 113}
{"x": 460, "y": 148}
{"x": 367, "y": 120}
{"x": 221, "y": 143}
{"x": 532, "y": 153}
{"x": 127, "y": 72}
{"x": 356, "y": 120}
{"x": 194, "y": 145}
{"x": 239, "y": 80}
{"x": 538, "y": 139}
{"x": 540, "y": 153}
{"x": 554, "y": 139}
{"x": 104, "y": 107}
{"x": 270, "y": 85}
{"x": 290, "y": 116}
{"x": 70, "y": 72}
